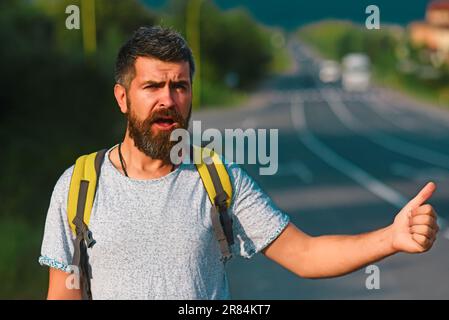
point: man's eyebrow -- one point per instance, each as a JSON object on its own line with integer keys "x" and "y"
{"x": 153, "y": 82}
{"x": 183, "y": 82}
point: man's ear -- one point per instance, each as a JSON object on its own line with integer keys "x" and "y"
{"x": 120, "y": 96}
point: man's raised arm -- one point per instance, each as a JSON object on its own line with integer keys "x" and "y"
{"x": 413, "y": 231}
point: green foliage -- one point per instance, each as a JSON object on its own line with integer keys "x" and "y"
{"x": 22, "y": 277}
{"x": 231, "y": 43}
{"x": 326, "y": 37}
{"x": 334, "y": 39}
{"x": 56, "y": 105}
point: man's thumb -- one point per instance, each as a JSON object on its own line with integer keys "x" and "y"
{"x": 422, "y": 196}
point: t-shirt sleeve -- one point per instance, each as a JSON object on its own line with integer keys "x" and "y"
{"x": 57, "y": 244}
{"x": 257, "y": 221}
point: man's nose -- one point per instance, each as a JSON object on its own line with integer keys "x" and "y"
{"x": 166, "y": 98}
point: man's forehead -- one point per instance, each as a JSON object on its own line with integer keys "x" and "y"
{"x": 155, "y": 69}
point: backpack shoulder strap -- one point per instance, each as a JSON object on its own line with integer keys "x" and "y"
{"x": 83, "y": 185}
{"x": 218, "y": 186}
{"x": 214, "y": 183}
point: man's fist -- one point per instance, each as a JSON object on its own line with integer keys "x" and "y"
{"x": 415, "y": 227}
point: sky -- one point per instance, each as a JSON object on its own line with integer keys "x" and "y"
{"x": 290, "y": 14}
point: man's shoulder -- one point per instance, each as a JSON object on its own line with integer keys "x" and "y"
{"x": 64, "y": 179}
{"x": 63, "y": 182}
{"x": 238, "y": 176}
{"x": 235, "y": 171}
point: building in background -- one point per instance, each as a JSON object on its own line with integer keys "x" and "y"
{"x": 433, "y": 33}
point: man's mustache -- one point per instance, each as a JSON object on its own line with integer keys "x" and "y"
{"x": 171, "y": 114}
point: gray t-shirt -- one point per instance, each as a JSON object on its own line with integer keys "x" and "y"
{"x": 154, "y": 238}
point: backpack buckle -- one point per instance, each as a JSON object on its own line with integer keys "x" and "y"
{"x": 90, "y": 241}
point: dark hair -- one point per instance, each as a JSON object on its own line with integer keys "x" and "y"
{"x": 161, "y": 43}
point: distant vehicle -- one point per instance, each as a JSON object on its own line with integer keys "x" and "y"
{"x": 329, "y": 71}
{"x": 356, "y": 73}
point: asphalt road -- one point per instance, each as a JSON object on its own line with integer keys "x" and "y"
{"x": 347, "y": 164}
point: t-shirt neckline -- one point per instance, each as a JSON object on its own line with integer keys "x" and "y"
{"x": 116, "y": 172}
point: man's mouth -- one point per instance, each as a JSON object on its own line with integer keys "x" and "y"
{"x": 165, "y": 123}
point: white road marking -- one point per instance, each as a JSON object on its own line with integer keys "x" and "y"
{"x": 388, "y": 142}
{"x": 399, "y": 121}
{"x": 349, "y": 169}
{"x": 337, "y": 162}
{"x": 429, "y": 111}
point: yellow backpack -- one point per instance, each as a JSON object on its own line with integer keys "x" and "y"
{"x": 81, "y": 197}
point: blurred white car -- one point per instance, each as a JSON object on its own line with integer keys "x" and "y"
{"x": 356, "y": 72}
{"x": 329, "y": 71}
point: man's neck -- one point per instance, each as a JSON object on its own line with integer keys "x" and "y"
{"x": 137, "y": 164}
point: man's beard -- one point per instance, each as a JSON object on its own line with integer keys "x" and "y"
{"x": 155, "y": 145}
